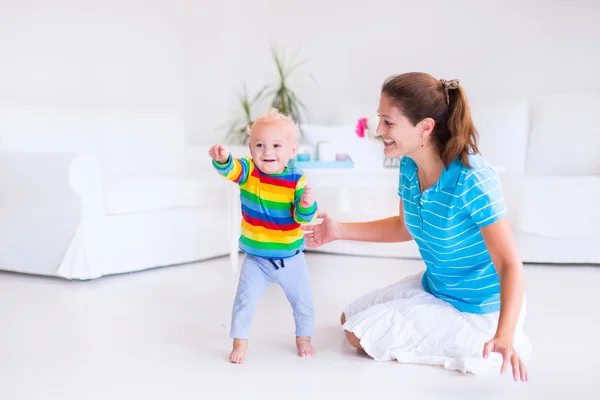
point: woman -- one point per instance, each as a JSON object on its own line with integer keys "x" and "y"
{"x": 469, "y": 302}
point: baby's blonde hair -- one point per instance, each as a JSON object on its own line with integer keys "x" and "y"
{"x": 274, "y": 115}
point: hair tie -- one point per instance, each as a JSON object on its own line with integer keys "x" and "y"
{"x": 451, "y": 84}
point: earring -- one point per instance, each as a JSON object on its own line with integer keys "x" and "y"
{"x": 422, "y": 141}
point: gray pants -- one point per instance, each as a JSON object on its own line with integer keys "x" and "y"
{"x": 256, "y": 275}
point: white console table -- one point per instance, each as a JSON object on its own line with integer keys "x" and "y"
{"x": 343, "y": 179}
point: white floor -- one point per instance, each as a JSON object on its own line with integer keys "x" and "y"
{"x": 163, "y": 334}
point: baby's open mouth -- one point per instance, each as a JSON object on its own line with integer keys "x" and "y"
{"x": 269, "y": 160}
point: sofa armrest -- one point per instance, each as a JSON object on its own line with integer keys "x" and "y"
{"x": 39, "y": 210}
{"x": 87, "y": 178}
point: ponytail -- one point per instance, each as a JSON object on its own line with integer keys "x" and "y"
{"x": 463, "y": 136}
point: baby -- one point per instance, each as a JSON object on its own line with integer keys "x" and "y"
{"x": 275, "y": 201}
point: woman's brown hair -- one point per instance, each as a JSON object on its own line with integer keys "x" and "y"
{"x": 419, "y": 95}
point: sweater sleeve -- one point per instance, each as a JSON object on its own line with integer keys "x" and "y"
{"x": 235, "y": 169}
{"x": 303, "y": 215}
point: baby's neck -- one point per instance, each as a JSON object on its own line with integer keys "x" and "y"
{"x": 272, "y": 173}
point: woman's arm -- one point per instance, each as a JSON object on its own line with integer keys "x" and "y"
{"x": 501, "y": 245}
{"x": 383, "y": 231}
{"x": 387, "y": 230}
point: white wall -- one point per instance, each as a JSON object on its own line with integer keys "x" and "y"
{"x": 94, "y": 54}
{"x": 227, "y": 48}
{"x": 77, "y": 61}
{"x": 68, "y": 66}
{"x": 499, "y": 49}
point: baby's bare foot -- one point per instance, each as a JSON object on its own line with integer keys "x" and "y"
{"x": 305, "y": 348}
{"x": 239, "y": 350}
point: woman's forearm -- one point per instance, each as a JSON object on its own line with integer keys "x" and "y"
{"x": 511, "y": 299}
{"x": 386, "y": 230}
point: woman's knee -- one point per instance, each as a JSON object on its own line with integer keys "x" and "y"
{"x": 350, "y": 337}
{"x": 353, "y": 340}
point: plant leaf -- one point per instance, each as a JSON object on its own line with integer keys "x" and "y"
{"x": 260, "y": 93}
{"x": 295, "y": 56}
{"x": 312, "y": 78}
{"x": 297, "y": 65}
{"x": 296, "y": 99}
{"x": 280, "y": 69}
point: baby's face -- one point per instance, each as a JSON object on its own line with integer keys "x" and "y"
{"x": 273, "y": 145}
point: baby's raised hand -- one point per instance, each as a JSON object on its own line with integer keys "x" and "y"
{"x": 308, "y": 197}
{"x": 219, "y": 153}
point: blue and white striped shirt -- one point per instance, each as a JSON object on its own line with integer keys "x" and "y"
{"x": 445, "y": 222}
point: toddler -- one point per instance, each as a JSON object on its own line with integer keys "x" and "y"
{"x": 275, "y": 202}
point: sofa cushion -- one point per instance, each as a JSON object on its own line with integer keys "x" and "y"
{"x": 503, "y": 133}
{"x": 565, "y": 136}
{"x": 142, "y": 142}
{"x": 141, "y": 193}
{"x": 561, "y": 207}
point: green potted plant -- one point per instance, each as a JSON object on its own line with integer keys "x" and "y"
{"x": 278, "y": 94}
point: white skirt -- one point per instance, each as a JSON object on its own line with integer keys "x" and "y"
{"x": 403, "y": 322}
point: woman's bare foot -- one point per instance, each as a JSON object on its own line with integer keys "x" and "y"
{"x": 305, "y": 348}
{"x": 239, "y": 350}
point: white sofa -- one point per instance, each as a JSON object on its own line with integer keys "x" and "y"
{"x": 548, "y": 157}
{"x": 136, "y": 221}
{"x": 559, "y": 211}
{"x": 130, "y": 195}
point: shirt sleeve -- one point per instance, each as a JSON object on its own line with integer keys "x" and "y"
{"x": 482, "y": 197}
{"x": 303, "y": 215}
{"x": 235, "y": 169}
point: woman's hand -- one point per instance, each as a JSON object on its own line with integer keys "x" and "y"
{"x": 509, "y": 355}
{"x": 317, "y": 235}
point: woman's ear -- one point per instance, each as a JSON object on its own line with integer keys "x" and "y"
{"x": 426, "y": 126}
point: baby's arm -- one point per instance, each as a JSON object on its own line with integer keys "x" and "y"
{"x": 234, "y": 169}
{"x": 305, "y": 206}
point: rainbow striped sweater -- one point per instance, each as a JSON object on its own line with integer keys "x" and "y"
{"x": 271, "y": 210}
